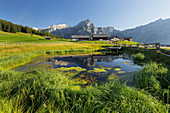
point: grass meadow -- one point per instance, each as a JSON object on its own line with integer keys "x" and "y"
{"x": 51, "y": 91}
{"x": 12, "y": 56}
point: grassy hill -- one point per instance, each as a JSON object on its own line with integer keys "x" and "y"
{"x": 19, "y": 37}
{"x": 27, "y": 37}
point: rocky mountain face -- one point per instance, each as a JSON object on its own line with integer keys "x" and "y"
{"x": 55, "y": 27}
{"x": 158, "y": 31}
{"x": 83, "y": 28}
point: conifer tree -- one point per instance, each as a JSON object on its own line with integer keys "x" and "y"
{"x": 14, "y": 29}
{"x": 0, "y": 25}
{"x": 11, "y": 27}
{"x": 62, "y": 37}
{"x": 8, "y": 27}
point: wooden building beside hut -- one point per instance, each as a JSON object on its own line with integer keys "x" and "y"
{"x": 114, "y": 38}
{"x": 80, "y": 37}
{"x": 128, "y": 39}
{"x": 100, "y": 36}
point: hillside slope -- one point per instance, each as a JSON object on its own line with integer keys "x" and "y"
{"x": 158, "y": 31}
{"x": 19, "y": 37}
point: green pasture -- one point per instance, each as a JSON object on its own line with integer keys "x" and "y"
{"x": 57, "y": 91}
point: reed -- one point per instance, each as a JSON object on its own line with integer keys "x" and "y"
{"x": 13, "y": 56}
{"x": 37, "y": 91}
{"x": 153, "y": 78}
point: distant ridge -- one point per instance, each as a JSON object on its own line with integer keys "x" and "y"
{"x": 157, "y": 31}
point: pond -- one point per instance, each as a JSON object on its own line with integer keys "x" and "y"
{"x": 85, "y": 69}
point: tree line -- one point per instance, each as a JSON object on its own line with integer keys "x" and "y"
{"x": 13, "y": 28}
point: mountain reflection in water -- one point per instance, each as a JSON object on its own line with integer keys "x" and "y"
{"x": 123, "y": 61}
{"x": 86, "y": 69}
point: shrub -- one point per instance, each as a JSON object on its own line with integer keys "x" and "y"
{"x": 138, "y": 56}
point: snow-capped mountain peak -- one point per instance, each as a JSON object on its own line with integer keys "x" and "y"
{"x": 59, "y": 26}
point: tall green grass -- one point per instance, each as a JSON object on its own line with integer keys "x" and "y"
{"x": 17, "y": 55}
{"x": 19, "y": 59}
{"x": 37, "y": 91}
{"x": 154, "y": 57}
{"x": 92, "y": 42}
{"x": 16, "y": 60}
{"x": 153, "y": 78}
{"x": 69, "y": 51}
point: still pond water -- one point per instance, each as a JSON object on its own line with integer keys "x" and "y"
{"x": 85, "y": 69}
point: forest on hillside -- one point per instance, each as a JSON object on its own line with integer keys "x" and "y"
{"x": 13, "y": 28}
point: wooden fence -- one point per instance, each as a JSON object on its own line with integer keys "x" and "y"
{"x": 161, "y": 48}
{"x": 5, "y": 44}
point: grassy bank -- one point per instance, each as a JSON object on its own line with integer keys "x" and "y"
{"x": 16, "y": 55}
{"x": 127, "y": 42}
{"x": 155, "y": 76}
{"x": 51, "y": 92}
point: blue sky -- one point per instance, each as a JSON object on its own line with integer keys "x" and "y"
{"x": 121, "y": 14}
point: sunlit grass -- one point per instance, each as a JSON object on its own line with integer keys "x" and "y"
{"x": 117, "y": 69}
{"x": 47, "y": 47}
{"x": 13, "y": 56}
{"x": 70, "y": 69}
{"x": 127, "y": 42}
{"x": 97, "y": 70}
{"x": 69, "y": 89}
{"x": 121, "y": 72}
{"x": 37, "y": 91}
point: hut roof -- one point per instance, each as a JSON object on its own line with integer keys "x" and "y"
{"x": 100, "y": 35}
{"x": 80, "y": 36}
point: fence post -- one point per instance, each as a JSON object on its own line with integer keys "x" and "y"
{"x": 124, "y": 44}
{"x": 42, "y": 43}
{"x": 20, "y": 43}
{"x": 146, "y": 47}
{"x": 32, "y": 43}
{"x": 51, "y": 43}
{"x": 130, "y": 46}
{"x": 5, "y": 44}
{"x": 157, "y": 47}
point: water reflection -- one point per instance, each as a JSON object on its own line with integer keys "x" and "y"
{"x": 123, "y": 61}
{"x": 86, "y": 69}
